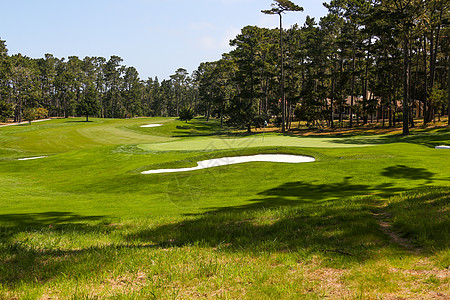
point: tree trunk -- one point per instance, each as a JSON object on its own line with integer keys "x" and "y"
{"x": 394, "y": 110}
{"x": 353, "y": 84}
{"x": 340, "y": 102}
{"x": 448, "y": 92}
{"x": 352, "y": 97}
{"x": 331, "y": 102}
{"x": 221, "y": 113}
{"x": 283, "y": 98}
{"x": 177, "y": 103}
{"x": 406, "y": 91}
{"x": 434, "y": 43}
{"x": 410, "y": 101}
{"x": 19, "y": 112}
{"x": 390, "y": 116}
{"x": 208, "y": 109}
{"x": 426, "y": 117}
{"x": 366, "y": 81}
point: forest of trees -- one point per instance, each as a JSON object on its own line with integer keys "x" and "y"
{"x": 367, "y": 60}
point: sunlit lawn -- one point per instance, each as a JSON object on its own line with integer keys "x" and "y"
{"x": 85, "y": 223}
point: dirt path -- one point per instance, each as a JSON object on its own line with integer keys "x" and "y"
{"x": 383, "y": 219}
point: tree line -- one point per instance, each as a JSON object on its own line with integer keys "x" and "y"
{"x": 383, "y": 59}
{"x": 366, "y": 59}
{"x": 91, "y": 86}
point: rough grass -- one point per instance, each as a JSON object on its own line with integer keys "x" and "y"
{"x": 84, "y": 223}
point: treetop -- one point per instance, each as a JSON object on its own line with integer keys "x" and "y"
{"x": 280, "y": 6}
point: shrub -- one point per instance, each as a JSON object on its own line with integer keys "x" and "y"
{"x": 186, "y": 114}
{"x": 29, "y": 114}
{"x": 41, "y": 113}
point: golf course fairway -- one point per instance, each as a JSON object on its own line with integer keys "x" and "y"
{"x": 369, "y": 218}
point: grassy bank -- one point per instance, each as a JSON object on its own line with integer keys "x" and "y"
{"x": 368, "y": 219}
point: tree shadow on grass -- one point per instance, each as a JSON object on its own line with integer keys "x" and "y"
{"x": 331, "y": 220}
{"x": 331, "y": 191}
{"x": 197, "y": 127}
{"x": 315, "y": 217}
{"x": 79, "y": 121}
{"x": 332, "y": 225}
{"x": 45, "y": 219}
{"x": 423, "y": 216}
{"x": 405, "y": 172}
{"x": 328, "y": 219}
{"x": 20, "y": 261}
{"x": 429, "y": 138}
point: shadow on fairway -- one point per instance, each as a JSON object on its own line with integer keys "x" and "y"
{"x": 198, "y": 130}
{"x": 332, "y": 221}
{"x": 429, "y": 138}
{"x": 78, "y": 121}
{"x": 423, "y": 216}
{"x": 402, "y": 171}
{"x": 45, "y": 219}
{"x": 201, "y": 128}
{"x": 335, "y": 220}
{"x": 21, "y": 261}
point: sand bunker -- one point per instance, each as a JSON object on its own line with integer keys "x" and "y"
{"x": 25, "y": 122}
{"x": 30, "y": 158}
{"x": 216, "y": 162}
{"x": 442, "y": 147}
{"x": 151, "y": 125}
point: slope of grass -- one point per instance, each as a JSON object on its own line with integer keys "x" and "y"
{"x": 84, "y": 223}
{"x": 63, "y": 135}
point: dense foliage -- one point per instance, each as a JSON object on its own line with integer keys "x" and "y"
{"x": 365, "y": 60}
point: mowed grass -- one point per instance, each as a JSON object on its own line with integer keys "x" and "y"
{"x": 64, "y": 135}
{"x": 361, "y": 222}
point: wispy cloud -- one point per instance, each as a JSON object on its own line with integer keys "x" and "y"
{"x": 220, "y": 42}
{"x": 208, "y": 43}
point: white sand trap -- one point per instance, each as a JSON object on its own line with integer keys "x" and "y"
{"x": 442, "y": 147}
{"x": 216, "y": 162}
{"x": 30, "y": 158}
{"x": 25, "y": 122}
{"x": 151, "y": 125}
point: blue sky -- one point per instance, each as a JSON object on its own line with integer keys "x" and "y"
{"x": 155, "y": 36}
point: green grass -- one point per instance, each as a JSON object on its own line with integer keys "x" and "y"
{"x": 84, "y": 223}
{"x": 424, "y": 216}
{"x": 64, "y": 135}
{"x": 269, "y": 140}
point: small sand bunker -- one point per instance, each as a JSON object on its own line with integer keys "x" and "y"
{"x": 216, "y": 162}
{"x": 151, "y": 125}
{"x": 25, "y": 122}
{"x": 30, "y": 158}
{"x": 442, "y": 147}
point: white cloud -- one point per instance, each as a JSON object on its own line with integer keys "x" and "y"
{"x": 221, "y": 42}
{"x": 208, "y": 43}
